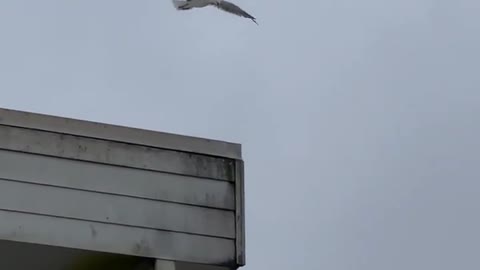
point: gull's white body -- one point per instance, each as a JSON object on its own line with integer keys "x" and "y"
{"x": 221, "y": 4}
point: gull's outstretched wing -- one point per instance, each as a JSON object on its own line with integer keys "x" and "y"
{"x": 234, "y": 9}
{"x": 180, "y": 4}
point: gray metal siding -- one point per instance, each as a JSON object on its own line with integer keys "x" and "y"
{"x": 114, "y": 153}
{"x": 57, "y": 231}
{"x": 119, "y": 133}
{"x": 240, "y": 212}
{"x": 115, "y": 209}
{"x": 80, "y": 187}
{"x": 116, "y": 180}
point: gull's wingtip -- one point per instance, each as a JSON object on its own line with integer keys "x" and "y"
{"x": 178, "y": 3}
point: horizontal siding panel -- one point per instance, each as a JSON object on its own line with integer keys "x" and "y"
{"x": 120, "y": 133}
{"x": 116, "y": 180}
{"x": 22, "y": 227}
{"x": 115, "y": 153}
{"x": 107, "y": 208}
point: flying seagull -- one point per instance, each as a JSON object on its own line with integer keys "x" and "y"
{"x": 221, "y": 4}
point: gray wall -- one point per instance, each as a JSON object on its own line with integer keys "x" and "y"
{"x": 88, "y": 193}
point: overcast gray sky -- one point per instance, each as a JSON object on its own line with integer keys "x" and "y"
{"x": 359, "y": 119}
